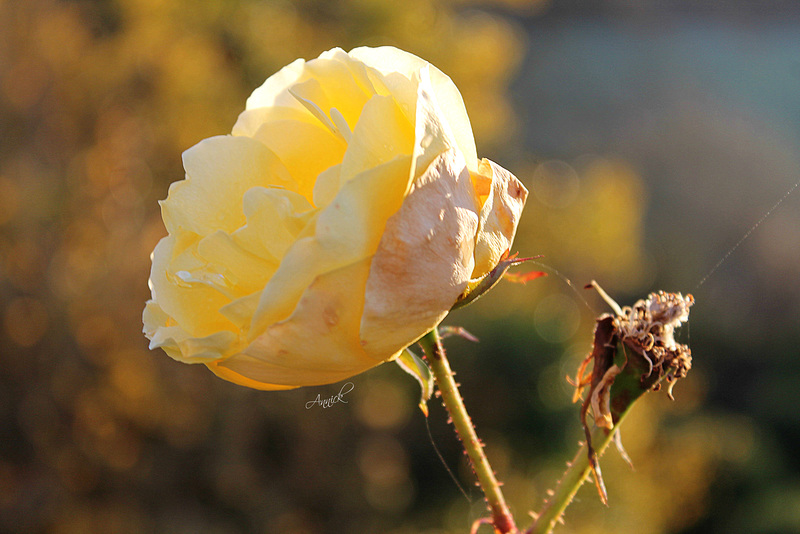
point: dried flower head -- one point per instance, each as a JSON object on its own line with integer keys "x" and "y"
{"x": 648, "y": 327}
{"x": 638, "y": 343}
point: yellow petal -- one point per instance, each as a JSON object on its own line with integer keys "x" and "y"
{"x": 358, "y": 70}
{"x": 272, "y": 92}
{"x": 193, "y": 306}
{"x": 218, "y": 172}
{"x": 240, "y": 311}
{"x": 311, "y": 95}
{"x": 327, "y": 186}
{"x": 243, "y": 271}
{"x": 346, "y": 232}
{"x": 424, "y": 259}
{"x": 318, "y": 343}
{"x": 178, "y": 343}
{"x": 382, "y": 134}
{"x": 236, "y": 378}
{"x": 433, "y": 135}
{"x": 153, "y": 318}
{"x": 304, "y": 148}
{"x": 499, "y": 216}
{"x": 333, "y": 85}
{"x": 250, "y": 120}
{"x": 390, "y": 62}
{"x": 275, "y": 218}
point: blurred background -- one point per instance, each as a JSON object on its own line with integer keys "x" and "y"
{"x": 652, "y": 135}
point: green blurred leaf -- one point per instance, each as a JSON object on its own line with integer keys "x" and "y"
{"x": 416, "y": 367}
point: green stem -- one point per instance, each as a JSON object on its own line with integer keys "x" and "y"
{"x": 571, "y": 481}
{"x": 501, "y": 517}
{"x": 577, "y": 471}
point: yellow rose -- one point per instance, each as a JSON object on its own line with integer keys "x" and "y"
{"x": 337, "y": 224}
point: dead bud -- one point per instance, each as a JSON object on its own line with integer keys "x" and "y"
{"x": 634, "y": 351}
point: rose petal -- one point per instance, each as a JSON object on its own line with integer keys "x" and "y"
{"x": 324, "y": 323}
{"x": 219, "y": 171}
{"x": 432, "y": 135}
{"x": 294, "y": 141}
{"x": 178, "y": 343}
{"x": 499, "y": 216}
{"x": 390, "y": 61}
{"x": 336, "y": 86}
{"x": 243, "y": 270}
{"x": 283, "y": 212}
{"x": 250, "y": 120}
{"x": 424, "y": 259}
{"x": 272, "y": 92}
{"x": 182, "y": 301}
{"x": 382, "y": 133}
{"x": 346, "y": 232}
{"x": 327, "y": 186}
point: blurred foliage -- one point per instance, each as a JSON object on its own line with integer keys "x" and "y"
{"x": 97, "y": 101}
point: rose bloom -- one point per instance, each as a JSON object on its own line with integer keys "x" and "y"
{"x": 338, "y": 224}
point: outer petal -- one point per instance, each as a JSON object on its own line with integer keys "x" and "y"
{"x": 424, "y": 259}
{"x": 317, "y": 344}
{"x": 219, "y": 170}
{"x": 250, "y": 120}
{"x": 177, "y": 343}
{"x": 272, "y": 92}
{"x": 388, "y": 60}
{"x": 499, "y": 216}
{"x": 236, "y": 378}
{"x": 433, "y": 135}
{"x": 192, "y": 306}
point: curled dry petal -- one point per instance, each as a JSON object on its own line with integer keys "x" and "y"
{"x": 633, "y": 352}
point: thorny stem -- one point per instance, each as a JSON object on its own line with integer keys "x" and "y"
{"x": 578, "y": 470}
{"x": 571, "y": 481}
{"x": 502, "y": 519}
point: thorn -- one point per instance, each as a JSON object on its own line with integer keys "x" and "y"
{"x": 533, "y": 515}
{"x": 571, "y": 382}
{"x": 447, "y": 331}
{"x": 618, "y": 442}
{"x": 550, "y": 493}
